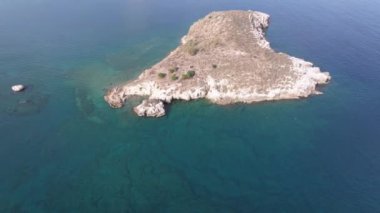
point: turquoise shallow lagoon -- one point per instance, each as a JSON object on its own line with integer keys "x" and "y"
{"x": 62, "y": 149}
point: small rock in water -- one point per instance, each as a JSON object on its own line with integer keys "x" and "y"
{"x": 18, "y": 88}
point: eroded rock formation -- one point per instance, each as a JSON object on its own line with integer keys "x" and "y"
{"x": 150, "y": 108}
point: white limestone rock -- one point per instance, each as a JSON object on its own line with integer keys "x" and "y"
{"x": 18, "y": 88}
{"x": 150, "y": 108}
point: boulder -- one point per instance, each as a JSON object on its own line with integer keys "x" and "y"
{"x": 18, "y": 88}
{"x": 150, "y": 108}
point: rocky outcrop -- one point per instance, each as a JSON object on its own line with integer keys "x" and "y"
{"x": 150, "y": 108}
{"x": 18, "y": 88}
{"x": 226, "y": 59}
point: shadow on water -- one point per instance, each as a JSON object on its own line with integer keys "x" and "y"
{"x": 25, "y": 103}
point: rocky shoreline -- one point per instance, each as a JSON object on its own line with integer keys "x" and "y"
{"x": 226, "y": 59}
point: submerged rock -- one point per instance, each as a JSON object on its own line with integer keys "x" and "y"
{"x": 226, "y": 59}
{"x": 150, "y": 108}
{"x": 28, "y": 105}
{"x": 18, "y": 88}
{"x": 84, "y": 102}
{"x": 86, "y": 105}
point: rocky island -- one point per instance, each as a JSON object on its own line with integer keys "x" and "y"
{"x": 226, "y": 59}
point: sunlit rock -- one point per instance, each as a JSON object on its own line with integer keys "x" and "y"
{"x": 150, "y": 108}
{"x": 18, "y": 88}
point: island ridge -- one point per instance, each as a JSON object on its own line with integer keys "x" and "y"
{"x": 226, "y": 59}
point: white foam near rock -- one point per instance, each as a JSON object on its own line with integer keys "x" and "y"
{"x": 18, "y": 88}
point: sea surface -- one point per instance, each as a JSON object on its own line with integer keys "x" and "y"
{"x": 63, "y": 149}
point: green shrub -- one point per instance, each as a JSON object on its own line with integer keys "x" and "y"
{"x": 174, "y": 77}
{"x": 162, "y": 75}
{"x": 173, "y": 69}
{"x": 188, "y": 75}
{"x": 191, "y": 73}
{"x": 214, "y": 66}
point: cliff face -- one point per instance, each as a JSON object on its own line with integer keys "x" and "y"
{"x": 226, "y": 59}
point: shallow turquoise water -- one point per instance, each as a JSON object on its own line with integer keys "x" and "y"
{"x": 62, "y": 149}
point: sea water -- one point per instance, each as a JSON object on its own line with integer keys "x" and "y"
{"x": 63, "y": 149}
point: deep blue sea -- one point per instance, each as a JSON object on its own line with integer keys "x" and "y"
{"x": 62, "y": 149}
